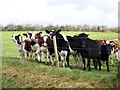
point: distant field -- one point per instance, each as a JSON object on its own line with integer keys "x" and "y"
{"x": 27, "y": 74}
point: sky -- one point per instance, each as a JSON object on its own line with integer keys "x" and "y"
{"x": 61, "y": 12}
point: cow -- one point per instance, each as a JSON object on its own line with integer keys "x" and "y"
{"x": 62, "y": 45}
{"x": 114, "y": 43}
{"x": 105, "y": 52}
{"x": 39, "y": 40}
{"x": 33, "y": 44}
{"x": 66, "y": 45}
{"x": 92, "y": 49}
{"x": 26, "y": 49}
{"x": 74, "y": 49}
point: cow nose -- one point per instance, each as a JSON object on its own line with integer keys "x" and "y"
{"x": 45, "y": 44}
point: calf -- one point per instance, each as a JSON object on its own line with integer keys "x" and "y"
{"x": 74, "y": 49}
{"x": 62, "y": 46}
{"x": 90, "y": 49}
{"x": 26, "y": 49}
{"x": 114, "y": 44}
{"x": 41, "y": 39}
{"x": 105, "y": 52}
{"x": 33, "y": 44}
{"x": 65, "y": 45}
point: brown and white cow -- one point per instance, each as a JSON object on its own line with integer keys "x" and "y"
{"x": 38, "y": 44}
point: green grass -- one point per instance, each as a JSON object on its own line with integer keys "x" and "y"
{"x": 27, "y": 74}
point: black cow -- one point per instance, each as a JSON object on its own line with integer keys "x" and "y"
{"x": 90, "y": 49}
{"x": 105, "y": 52}
{"x": 66, "y": 43}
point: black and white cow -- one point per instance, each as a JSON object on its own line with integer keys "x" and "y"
{"x": 65, "y": 45}
{"x": 26, "y": 48}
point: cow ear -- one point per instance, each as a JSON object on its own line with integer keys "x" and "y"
{"x": 24, "y": 34}
{"x": 40, "y": 32}
{"x": 19, "y": 35}
{"x": 87, "y": 35}
{"x": 59, "y": 30}
{"x": 47, "y": 31}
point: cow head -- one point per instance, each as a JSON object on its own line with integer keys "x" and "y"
{"x": 16, "y": 38}
{"x": 36, "y": 35}
{"x": 107, "y": 48}
{"x": 82, "y": 39}
{"x": 28, "y": 36}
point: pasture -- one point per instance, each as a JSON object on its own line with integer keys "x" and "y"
{"x": 27, "y": 74}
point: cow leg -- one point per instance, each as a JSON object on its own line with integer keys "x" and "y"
{"x": 81, "y": 61}
{"x": 27, "y": 53}
{"x": 22, "y": 55}
{"x": 88, "y": 65}
{"x": 31, "y": 55}
{"x": 84, "y": 62}
{"x": 53, "y": 60}
{"x": 64, "y": 62}
{"x": 38, "y": 54}
{"x": 99, "y": 63}
{"x": 45, "y": 56}
{"x": 49, "y": 57}
{"x": 107, "y": 66}
{"x": 67, "y": 59}
{"x": 95, "y": 63}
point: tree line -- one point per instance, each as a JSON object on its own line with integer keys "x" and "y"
{"x": 29, "y": 27}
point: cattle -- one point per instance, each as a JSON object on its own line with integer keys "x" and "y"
{"x": 92, "y": 49}
{"x": 39, "y": 45}
{"x": 105, "y": 52}
{"x": 74, "y": 49}
{"x": 66, "y": 45}
{"x": 33, "y": 44}
{"x": 62, "y": 45}
{"x": 26, "y": 49}
{"x": 114, "y": 43}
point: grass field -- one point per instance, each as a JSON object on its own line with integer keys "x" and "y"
{"x": 27, "y": 74}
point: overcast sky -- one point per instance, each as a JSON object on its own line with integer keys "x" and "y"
{"x": 45, "y": 12}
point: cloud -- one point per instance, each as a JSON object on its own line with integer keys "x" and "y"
{"x": 93, "y": 12}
